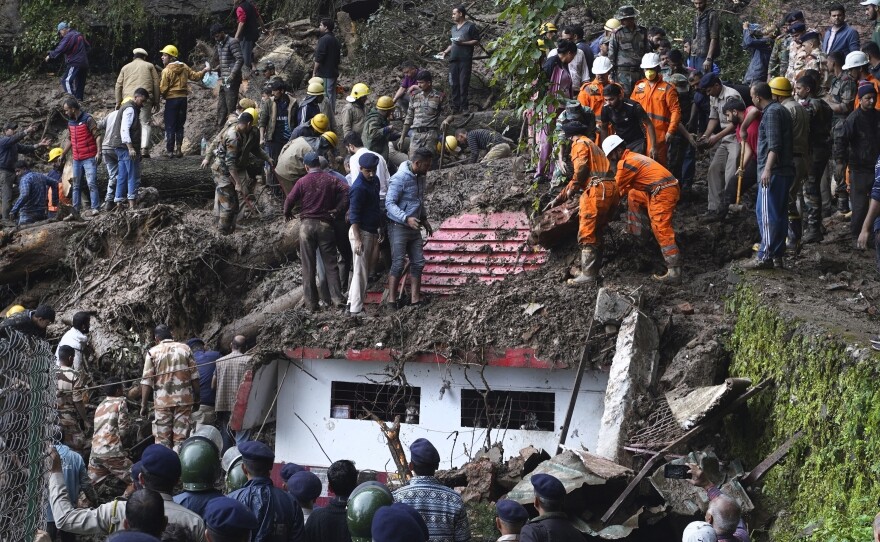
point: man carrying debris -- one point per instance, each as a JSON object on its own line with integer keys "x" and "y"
{"x": 591, "y": 172}
{"x": 652, "y": 192}
{"x": 174, "y": 87}
{"x": 140, "y": 74}
{"x": 495, "y": 145}
{"x": 442, "y": 508}
{"x": 512, "y": 516}
{"x": 171, "y": 373}
{"x": 552, "y": 522}
{"x": 426, "y": 108}
{"x": 231, "y": 62}
{"x": 32, "y": 204}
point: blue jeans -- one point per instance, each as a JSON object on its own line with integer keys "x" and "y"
{"x": 89, "y": 167}
{"x": 175, "y": 118}
{"x": 406, "y": 241}
{"x": 112, "y": 165}
{"x": 772, "y": 213}
{"x": 129, "y": 176}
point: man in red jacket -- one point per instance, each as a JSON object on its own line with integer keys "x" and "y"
{"x": 83, "y": 142}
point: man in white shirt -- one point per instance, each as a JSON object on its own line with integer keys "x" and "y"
{"x": 354, "y": 144}
{"x": 77, "y": 337}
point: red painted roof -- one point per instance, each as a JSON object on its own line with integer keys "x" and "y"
{"x": 509, "y": 357}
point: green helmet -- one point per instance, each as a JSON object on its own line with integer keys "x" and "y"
{"x": 235, "y": 477}
{"x": 362, "y": 505}
{"x": 199, "y": 464}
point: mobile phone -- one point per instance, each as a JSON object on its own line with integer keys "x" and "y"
{"x": 676, "y": 472}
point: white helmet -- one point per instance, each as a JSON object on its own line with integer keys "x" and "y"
{"x": 650, "y": 61}
{"x": 602, "y": 65}
{"x": 855, "y": 59}
{"x": 699, "y": 531}
{"x": 610, "y": 143}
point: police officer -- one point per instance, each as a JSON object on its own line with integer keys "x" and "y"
{"x": 228, "y": 520}
{"x": 628, "y": 45}
{"x": 398, "y": 523}
{"x": 280, "y": 519}
{"x": 552, "y": 523}
{"x": 200, "y": 468}
{"x": 363, "y": 503}
{"x": 511, "y": 518}
{"x": 287, "y": 472}
{"x": 305, "y": 487}
{"x": 131, "y": 536}
{"x": 424, "y": 115}
{"x": 158, "y": 469}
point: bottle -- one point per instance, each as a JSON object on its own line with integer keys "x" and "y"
{"x": 204, "y": 146}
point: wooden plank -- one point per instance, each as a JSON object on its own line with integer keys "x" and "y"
{"x": 758, "y": 472}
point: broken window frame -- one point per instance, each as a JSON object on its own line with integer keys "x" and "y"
{"x": 384, "y": 400}
{"x": 510, "y": 409}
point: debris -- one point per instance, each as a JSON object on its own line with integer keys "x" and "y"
{"x": 532, "y": 308}
{"x": 480, "y": 480}
{"x": 574, "y": 469}
{"x": 611, "y": 307}
{"x": 691, "y": 406}
{"x": 697, "y": 364}
{"x": 556, "y": 225}
{"x": 685, "y": 308}
{"x": 778, "y": 455}
{"x": 685, "y": 499}
{"x": 836, "y": 286}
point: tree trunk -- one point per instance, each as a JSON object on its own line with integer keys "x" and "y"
{"x": 251, "y": 324}
{"x": 33, "y": 249}
{"x": 178, "y": 178}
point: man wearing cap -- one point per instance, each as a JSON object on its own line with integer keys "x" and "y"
{"x": 811, "y": 57}
{"x": 231, "y": 62}
{"x": 511, "y": 517}
{"x": 591, "y": 92}
{"x": 699, "y": 531}
{"x": 659, "y": 99}
{"x": 800, "y": 131}
{"x": 856, "y": 147}
{"x": 871, "y": 11}
{"x": 323, "y": 198}
{"x": 305, "y": 487}
{"x": 211, "y": 149}
{"x": 442, "y": 508}
{"x": 291, "y": 161}
{"x": 75, "y": 49}
{"x": 158, "y": 470}
{"x": 174, "y": 88}
{"x": 205, "y": 362}
{"x": 399, "y": 522}
{"x": 287, "y": 472}
{"x": 170, "y": 373}
{"x": 356, "y": 110}
{"x": 312, "y": 104}
{"x": 228, "y": 520}
{"x": 722, "y": 168}
{"x": 796, "y": 29}
{"x": 10, "y": 146}
{"x": 32, "y": 323}
{"x": 425, "y": 115}
{"x": 365, "y": 216}
{"x": 140, "y": 74}
{"x": 279, "y": 518}
{"x": 840, "y": 36}
{"x": 628, "y": 45}
{"x": 706, "y": 43}
{"x": 329, "y": 523}
{"x": 552, "y": 522}
{"x": 775, "y": 177}
{"x": 32, "y": 204}
{"x": 602, "y": 39}
{"x": 627, "y": 119}
{"x": 378, "y": 132}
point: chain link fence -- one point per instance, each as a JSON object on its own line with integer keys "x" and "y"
{"x": 27, "y": 418}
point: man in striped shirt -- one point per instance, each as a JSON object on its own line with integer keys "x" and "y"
{"x": 483, "y": 140}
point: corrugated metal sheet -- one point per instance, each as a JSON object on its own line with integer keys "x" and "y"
{"x": 484, "y": 247}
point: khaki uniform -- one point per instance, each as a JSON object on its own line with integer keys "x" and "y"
{"x": 425, "y": 114}
{"x": 108, "y": 517}
{"x": 353, "y": 117}
{"x": 108, "y": 457}
{"x": 170, "y": 370}
{"x": 625, "y": 50}
{"x": 290, "y": 165}
{"x": 66, "y": 395}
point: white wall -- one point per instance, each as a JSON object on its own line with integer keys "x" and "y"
{"x": 362, "y": 442}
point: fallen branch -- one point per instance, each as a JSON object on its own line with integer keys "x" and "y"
{"x": 392, "y": 435}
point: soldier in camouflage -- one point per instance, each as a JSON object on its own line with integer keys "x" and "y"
{"x": 69, "y": 403}
{"x": 111, "y": 421}
{"x": 426, "y": 109}
{"x": 628, "y": 44}
{"x": 170, "y": 372}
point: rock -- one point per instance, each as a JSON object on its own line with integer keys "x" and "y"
{"x": 556, "y": 225}
{"x": 494, "y": 454}
{"x": 694, "y": 366}
{"x": 480, "y": 479}
{"x": 611, "y": 307}
{"x": 452, "y": 478}
{"x": 532, "y": 458}
{"x": 685, "y": 308}
{"x": 633, "y": 371}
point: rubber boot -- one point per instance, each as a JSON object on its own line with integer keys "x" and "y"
{"x": 672, "y": 276}
{"x": 178, "y": 151}
{"x": 589, "y": 267}
{"x": 813, "y": 234}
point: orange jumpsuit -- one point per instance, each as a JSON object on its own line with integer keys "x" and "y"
{"x": 592, "y": 173}
{"x": 874, "y": 81}
{"x": 659, "y": 99}
{"x": 650, "y": 186}
{"x": 591, "y": 95}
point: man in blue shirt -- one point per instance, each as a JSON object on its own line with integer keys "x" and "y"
{"x": 364, "y": 214}
{"x": 32, "y": 204}
{"x": 76, "y": 478}
{"x": 205, "y": 362}
{"x": 839, "y": 36}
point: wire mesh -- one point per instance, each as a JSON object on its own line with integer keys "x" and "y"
{"x": 27, "y": 418}
{"x": 660, "y": 428}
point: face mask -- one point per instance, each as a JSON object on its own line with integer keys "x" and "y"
{"x": 650, "y": 75}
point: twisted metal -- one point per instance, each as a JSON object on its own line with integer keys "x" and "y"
{"x": 27, "y": 419}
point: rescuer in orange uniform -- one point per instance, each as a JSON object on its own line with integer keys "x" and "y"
{"x": 659, "y": 99}
{"x": 648, "y": 186}
{"x": 590, "y": 94}
{"x": 591, "y": 172}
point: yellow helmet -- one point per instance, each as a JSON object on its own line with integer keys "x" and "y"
{"x": 547, "y": 27}
{"x": 319, "y": 80}
{"x": 780, "y": 86}
{"x": 320, "y": 123}
{"x": 385, "y": 103}
{"x": 330, "y": 137}
{"x": 612, "y": 24}
{"x": 170, "y": 50}
{"x": 542, "y": 46}
{"x": 53, "y": 155}
{"x": 253, "y": 113}
{"x": 315, "y": 89}
{"x": 451, "y": 144}
{"x": 359, "y": 90}
{"x": 15, "y": 309}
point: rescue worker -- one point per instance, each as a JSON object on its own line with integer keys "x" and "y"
{"x": 546, "y": 36}
{"x": 10, "y": 146}
{"x": 158, "y": 470}
{"x": 200, "y": 468}
{"x": 108, "y": 457}
{"x": 356, "y": 111}
{"x": 495, "y": 145}
{"x": 291, "y": 161}
{"x": 591, "y": 93}
{"x": 781, "y": 89}
{"x": 54, "y": 197}
{"x": 305, "y": 487}
{"x": 34, "y": 192}
{"x": 69, "y": 403}
{"x": 211, "y": 149}
{"x": 651, "y": 188}
{"x": 140, "y": 74}
{"x": 819, "y": 113}
{"x": 626, "y": 119}
{"x": 278, "y": 516}
{"x": 859, "y": 67}
{"x": 511, "y": 518}
{"x": 841, "y": 96}
{"x": 599, "y": 46}
{"x": 551, "y": 523}
{"x": 230, "y": 171}
{"x": 401, "y": 522}
{"x": 82, "y": 140}
{"x": 659, "y": 99}
{"x": 276, "y": 115}
{"x": 310, "y": 106}
{"x": 591, "y": 172}
{"x": 424, "y": 115}
{"x": 378, "y": 132}
{"x": 231, "y": 61}
{"x": 228, "y": 520}
{"x": 174, "y": 88}
{"x": 75, "y": 48}
{"x": 364, "y": 502}
{"x": 32, "y": 323}
{"x": 628, "y": 45}
{"x": 171, "y": 373}
{"x": 316, "y": 126}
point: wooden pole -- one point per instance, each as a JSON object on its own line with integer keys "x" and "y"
{"x": 585, "y": 357}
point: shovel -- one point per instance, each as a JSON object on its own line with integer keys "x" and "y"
{"x": 737, "y": 207}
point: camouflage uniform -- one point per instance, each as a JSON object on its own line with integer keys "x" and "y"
{"x": 778, "y": 65}
{"x": 233, "y": 153}
{"x": 842, "y": 91}
{"x": 67, "y": 394}
{"x": 424, "y": 116}
{"x": 170, "y": 370}
{"x": 108, "y": 457}
{"x": 625, "y": 50}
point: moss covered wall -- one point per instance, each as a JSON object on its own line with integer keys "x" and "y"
{"x": 830, "y": 481}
